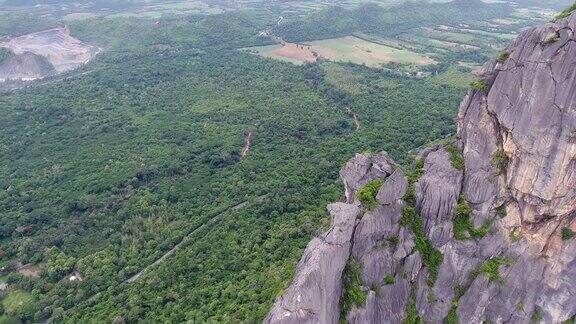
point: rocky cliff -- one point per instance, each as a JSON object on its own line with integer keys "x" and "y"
{"x": 480, "y": 229}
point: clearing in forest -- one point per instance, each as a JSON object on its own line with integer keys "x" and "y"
{"x": 345, "y": 49}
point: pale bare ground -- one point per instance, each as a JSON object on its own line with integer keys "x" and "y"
{"x": 247, "y": 143}
{"x": 295, "y": 51}
{"x": 30, "y": 270}
{"x": 352, "y": 114}
{"x": 62, "y": 50}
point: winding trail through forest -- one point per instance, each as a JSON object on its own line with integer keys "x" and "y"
{"x": 176, "y": 247}
{"x": 189, "y": 237}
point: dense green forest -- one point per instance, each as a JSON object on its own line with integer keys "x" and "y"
{"x": 105, "y": 171}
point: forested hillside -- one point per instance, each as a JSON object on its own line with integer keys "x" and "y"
{"x": 374, "y": 19}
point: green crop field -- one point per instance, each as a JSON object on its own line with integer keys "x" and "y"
{"x": 356, "y": 50}
{"x": 18, "y": 302}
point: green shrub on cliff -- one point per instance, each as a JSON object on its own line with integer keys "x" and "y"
{"x": 480, "y": 85}
{"x": 367, "y": 195}
{"x": 353, "y": 295}
{"x": 566, "y": 12}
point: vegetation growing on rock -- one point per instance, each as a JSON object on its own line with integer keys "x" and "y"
{"x": 567, "y": 233}
{"x": 452, "y": 317}
{"x": 431, "y": 257}
{"x": 353, "y": 294}
{"x": 566, "y": 12}
{"x": 455, "y": 157}
{"x": 367, "y": 194}
{"x": 491, "y": 269}
{"x": 412, "y": 316}
{"x": 480, "y": 85}
{"x": 389, "y": 280}
{"x": 463, "y": 227}
{"x": 499, "y": 161}
{"x": 503, "y": 57}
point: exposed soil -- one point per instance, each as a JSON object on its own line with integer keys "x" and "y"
{"x": 247, "y": 143}
{"x": 354, "y": 117}
{"x": 295, "y": 51}
{"x": 30, "y": 271}
{"x": 56, "y": 46}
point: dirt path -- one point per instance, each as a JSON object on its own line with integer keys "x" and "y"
{"x": 354, "y": 117}
{"x": 185, "y": 240}
{"x": 166, "y": 255}
{"x": 189, "y": 237}
{"x": 247, "y": 143}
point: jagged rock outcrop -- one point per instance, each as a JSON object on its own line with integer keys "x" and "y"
{"x": 483, "y": 230}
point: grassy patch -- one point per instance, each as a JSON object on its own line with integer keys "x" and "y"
{"x": 462, "y": 225}
{"x": 9, "y": 320}
{"x": 455, "y": 157}
{"x": 500, "y": 161}
{"x": 431, "y": 257}
{"x": 566, "y": 12}
{"x": 567, "y": 234}
{"x": 515, "y": 235}
{"x": 353, "y": 293}
{"x": 413, "y": 176}
{"x": 367, "y": 194}
{"x": 356, "y": 50}
{"x": 536, "y": 315}
{"x": 572, "y": 320}
{"x": 455, "y": 77}
{"x": 412, "y": 316}
{"x": 491, "y": 269}
{"x": 389, "y": 280}
{"x": 19, "y": 304}
{"x": 452, "y": 317}
{"x": 503, "y": 57}
{"x": 480, "y": 85}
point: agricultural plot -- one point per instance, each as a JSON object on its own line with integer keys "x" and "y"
{"x": 18, "y": 302}
{"x": 345, "y": 49}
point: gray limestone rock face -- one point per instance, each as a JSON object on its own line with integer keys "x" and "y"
{"x": 437, "y": 193}
{"x": 387, "y": 305}
{"x": 518, "y": 149}
{"x": 314, "y": 295}
{"x": 530, "y": 114}
{"x": 362, "y": 169}
{"x": 393, "y": 189}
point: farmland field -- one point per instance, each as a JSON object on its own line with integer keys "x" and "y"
{"x": 17, "y": 302}
{"x": 344, "y": 49}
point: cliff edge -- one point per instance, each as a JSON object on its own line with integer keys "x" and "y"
{"x": 481, "y": 229}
